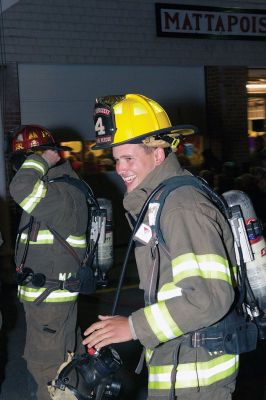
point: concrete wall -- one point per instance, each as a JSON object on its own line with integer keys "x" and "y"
{"x": 227, "y": 112}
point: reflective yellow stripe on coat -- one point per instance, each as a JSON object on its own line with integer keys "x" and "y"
{"x": 33, "y": 164}
{"x": 57, "y": 296}
{"x": 161, "y": 322}
{"x": 34, "y": 198}
{"x": 46, "y": 237}
{"x": 208, "y": 266}
{"x": 194, "y": 374}
{"x": 43, "y": 237}
{"x": 77, "y": 241}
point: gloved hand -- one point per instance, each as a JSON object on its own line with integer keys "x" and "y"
{"x": 51, "y": 157}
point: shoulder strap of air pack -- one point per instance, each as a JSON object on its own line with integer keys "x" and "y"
{"x": 176, "y": 182}
{"x": 79, "y": 184}
{"x": 96, "y": 215}
{"x": 234, "y": 216}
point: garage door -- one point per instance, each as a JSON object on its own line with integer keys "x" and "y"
{"x": 61, "y": 97}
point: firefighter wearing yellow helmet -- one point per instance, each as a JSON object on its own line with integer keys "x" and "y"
{"x": 135, "y": 118}
{"x": 186, "y": 277}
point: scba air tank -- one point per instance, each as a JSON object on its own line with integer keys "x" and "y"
{"x": 256, "y": 266}
{"x": 104, "y": 255}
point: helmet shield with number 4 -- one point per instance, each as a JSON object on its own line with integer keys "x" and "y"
{"x": 134, "y": 118}
{"x": 104, "y": 124}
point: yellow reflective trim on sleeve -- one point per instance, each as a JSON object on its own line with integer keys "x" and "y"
{"x": 168, "y": 291}
{"x": 161, "y": 322}
{"x": 57, "y": 296}
{"x": 235, "y": 276}
{"x": 43, "y": 237}
{"x": 31, "y": 201}
{"x": 77, "y": 241}
{"x": 35, "y": 165}
{"x": 46, "y": 237}
{"x": 207, "y": 266}
{"x": 148, "y": 355}
{"x": 194, "y": 374}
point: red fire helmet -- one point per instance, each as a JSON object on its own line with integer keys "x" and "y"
{"x": 34, "y": 137}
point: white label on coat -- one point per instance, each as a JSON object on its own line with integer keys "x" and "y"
{"x": 144, "y": 233}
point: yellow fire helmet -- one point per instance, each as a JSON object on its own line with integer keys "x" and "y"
{"x": 134, "y": 118}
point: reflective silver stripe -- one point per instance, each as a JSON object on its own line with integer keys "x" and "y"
{"x": 35, "y": 165}
{"x": 31, "y": 201}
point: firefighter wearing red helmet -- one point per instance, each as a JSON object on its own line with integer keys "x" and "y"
{"x": 33, "y": 137}
{"x": 50, "y": 210}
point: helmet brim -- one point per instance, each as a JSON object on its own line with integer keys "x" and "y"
{"x": 175, "y": 131}
{"x": 44, "y": 147}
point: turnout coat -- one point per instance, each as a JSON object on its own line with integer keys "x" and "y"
{"x": 194, "y": 286}
{"x": 59, "y": 206}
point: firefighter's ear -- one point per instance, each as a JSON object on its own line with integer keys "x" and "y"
{"x": 159, "y": 155}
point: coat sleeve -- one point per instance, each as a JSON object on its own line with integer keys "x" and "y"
{"x": 197, "y": 291}
{"x": 35, "y": 196}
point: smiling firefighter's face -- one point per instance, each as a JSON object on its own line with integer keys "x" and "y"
{"x": 135, "y": 161}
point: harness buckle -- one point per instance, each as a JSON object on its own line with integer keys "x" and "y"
{"x": 197, "y": 340}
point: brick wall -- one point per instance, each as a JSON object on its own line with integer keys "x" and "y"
{"x": 8, "y": 217}
{"x": 226, "y": 100}
{"x": 11, "y": 117}
{"x": 11, "y": 104}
